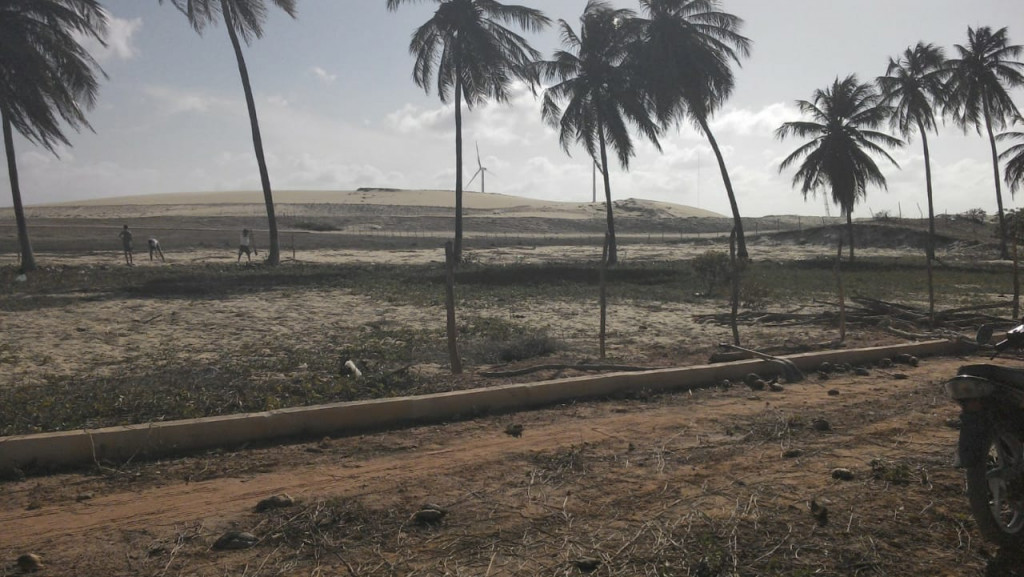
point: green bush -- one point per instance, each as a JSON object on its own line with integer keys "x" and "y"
{"x": 712, "y": 270}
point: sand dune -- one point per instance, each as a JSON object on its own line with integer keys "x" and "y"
{"x": 243, "y": 203}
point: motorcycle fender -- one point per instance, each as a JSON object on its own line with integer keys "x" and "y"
{"x": 974, "y": 438}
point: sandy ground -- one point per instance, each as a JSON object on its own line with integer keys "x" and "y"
{"x": 671, "y": 485}
{"x": 242, "y": 202}
{"x": 97, "y": 336}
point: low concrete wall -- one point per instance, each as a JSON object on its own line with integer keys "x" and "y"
{"x": 121, "y": 443}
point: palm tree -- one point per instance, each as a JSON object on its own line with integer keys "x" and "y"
{"x": 685, "y": 58}
{"x": 601, "y": 93}
{"x": 979, "y": 93}
{"x": 243, "y": 18}
{"x": 476, "y": 58}
{"x": 46, "y": 76}
{"x": 843, "y": 119}
{"x": 912, "y": 85}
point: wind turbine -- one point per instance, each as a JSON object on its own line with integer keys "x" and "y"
{"x": 481, "y": 171}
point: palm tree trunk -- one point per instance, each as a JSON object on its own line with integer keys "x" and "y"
{"x": 849, "y": 228}
{"x": 741, "y": 243}
{"x": 613, "y": 251}
{"x": 1003, "y": 252}
{"x": 930, "y": 250}
{"x": 458, "y": 163}
{"x": 28, "y": 260}
{"x": 274, "y": 257}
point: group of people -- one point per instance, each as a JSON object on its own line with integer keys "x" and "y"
{"x": 245, "y": 246}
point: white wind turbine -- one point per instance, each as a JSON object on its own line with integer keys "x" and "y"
{"x": 481, "y": 171}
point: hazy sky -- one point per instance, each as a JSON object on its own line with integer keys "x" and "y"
{"x": 339, "y": 110}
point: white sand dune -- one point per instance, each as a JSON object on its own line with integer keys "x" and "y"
{"x": 243, "y": 203}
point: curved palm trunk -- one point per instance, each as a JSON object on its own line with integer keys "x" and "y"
{"x": 741, "y": 243}
{"x": 274, "y": 257}
{"x": 613, "y": 251}
{"x": 849, "y": 228}
{"x": 1003, "y": 252}
{"x": 28, "y": 260}
{"x": 458, "y": 164}
{"x": 930, "y": 250}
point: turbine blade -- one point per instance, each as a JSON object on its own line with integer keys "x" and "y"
{"x": 475, "y": 174}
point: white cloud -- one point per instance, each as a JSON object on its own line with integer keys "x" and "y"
{"x": 411, "y": 119}
{"x": 171, "y": 100}
{"x": 324, "y": 76}
{"x": 120, "y": 40}
{"x": 762, "y": 122}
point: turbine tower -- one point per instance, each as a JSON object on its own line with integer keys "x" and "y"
{"x": 481, "y": 171}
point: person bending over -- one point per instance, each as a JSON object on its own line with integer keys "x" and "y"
{"x": 154, "y": 248}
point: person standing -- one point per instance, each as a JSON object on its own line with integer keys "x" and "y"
{"x": 246, "y": 245}
{"x": 154, "y": 247}
{"x": 126, "y": 242}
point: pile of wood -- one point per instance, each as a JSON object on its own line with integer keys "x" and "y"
{"x": 900, "y": 319}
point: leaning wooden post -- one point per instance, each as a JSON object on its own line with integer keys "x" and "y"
{"x": 449, "y": 301}
{"x": 602, "y": 282}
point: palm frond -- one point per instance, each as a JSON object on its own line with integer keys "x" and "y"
{"x": 47, "y": 78}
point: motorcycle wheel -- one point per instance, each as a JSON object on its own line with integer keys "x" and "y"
{"x": 995, "y": 490}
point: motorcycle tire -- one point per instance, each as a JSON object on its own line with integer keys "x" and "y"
{"x": 995, "y": 489}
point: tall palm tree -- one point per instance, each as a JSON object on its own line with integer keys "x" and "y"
{"x": 685, "y": 59}
{"x": 838, "y": 156}
{"x": 476, "y": 58}
{"x": 601, "y": 93}
{"x": 979, "y": 93}
{"x": 245, "y": 19}
{"x": 913, "y": 86}
{"x": 46, "y": 77}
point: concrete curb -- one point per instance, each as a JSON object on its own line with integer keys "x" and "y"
{"x": 150, "y": 440}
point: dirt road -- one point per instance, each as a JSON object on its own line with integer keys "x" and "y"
{"x": 719, "y": 482}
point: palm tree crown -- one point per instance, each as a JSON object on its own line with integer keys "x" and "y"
{"x": 686, "y": 57}
{"x": 466, "y": 43}
{"x": 46, "y": 76}
{"x": 685, "y": 60}
{"x": 602, "y": 93}
{"x": 838, "y": 156}
{"x": 247, "y": 16}
{"x": 980, "y": 79}
{"x": 913, "y": 86}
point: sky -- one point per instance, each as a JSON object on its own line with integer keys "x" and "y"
{"x": 338, "y": 110}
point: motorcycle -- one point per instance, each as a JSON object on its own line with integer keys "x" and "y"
{"x": 991, "y": 445}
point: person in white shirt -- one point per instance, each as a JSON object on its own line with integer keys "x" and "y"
{"x": 245, "y": 245}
